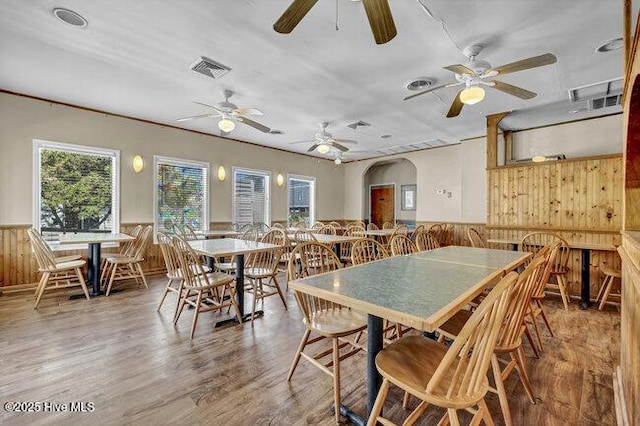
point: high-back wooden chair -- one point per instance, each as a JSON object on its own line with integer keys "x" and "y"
{"x": 250, "y": 234}
{"x": 326, "y": 320}
{"x": 174, "y": 274}
{"x": 367, "y": 250}
{"x": 278, "y": 225}
{"x": 345, "y": 247}
{"x": 402, "y": 245}
{"x": 510, "y": 339}
{"x": 326, "y": 230}
{"x": 317, "y": 225}
{"x": 358, "y": 223}
{"x": 535, "y": 241}
{"x": 372, "y": 227}
{"x": 261, "y": 270}
{"x": 335, "y": 224}
{"x": 452, "y": 377}
{"x": 475, "y": 238}
{"x": 56, "y": 272}
{"x": 128, "y": 266}
{"x": 203, "y": 291}
{"x": 388, "y": 225}
{"x": 437, "y": 231}
{"x": 426, "y": 241}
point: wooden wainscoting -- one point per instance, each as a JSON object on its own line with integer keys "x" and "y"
{"x": 19, "y": 270}
{"x": 459, "y": 232}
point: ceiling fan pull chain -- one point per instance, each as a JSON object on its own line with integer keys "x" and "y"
{"x": 337, "y": 1}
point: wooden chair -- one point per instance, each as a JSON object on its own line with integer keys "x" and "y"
{"x": 130, "y": 265}
{"x": 124, "y": 249}
{"x": 419, "y": 229}
{"x": 326, "y": 320}
{"x": 317, "y": 225}
{"x": 535, "y": 241}
{"x": 345, "y": 247}
{"x": 260, "y": 273}
{"x": 550, "y": 253}
{"x": 452, "y": 377}
{"x": 358, "y": 223}
{"x": 510, "y": 338}
{"x": 302, "y": 235}
{"x": 372, "y": 227}
{"x": 367, "y": 250}
{"x": 326, "y": 230}
{"x": 56, "y": 272}
{"x": 607, "y": 284}
{"x": 335, "y": 224}
{"x": 475, "y": 238}
{"x": 388, "y": 225}
{"x": 437, "y": 231}
{"x": 402, "y": 245}
{"x": 204, "y": 291}
{"x": 279, "y": 226}
{"x": 426, "y": 241}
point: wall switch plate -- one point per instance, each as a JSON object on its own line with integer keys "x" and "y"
{"x": 440, "y": 192}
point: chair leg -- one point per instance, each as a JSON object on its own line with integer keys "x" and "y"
{"x": 605, "y": 282}
{"x": 196, "y": 311}
{"x": 44, "y": 280}
{"x": 284, "y": 301}
{"x": 113, "y": 274}
{"x": 415, "y": 414}
{"x": 562, "y": 285}
{"x": 255, "y": 298}
{"x": 183, "y": 297}
{"x": 336, "y": 378}
{"x": 486, "y": 415}
{"x": 530, "y": 339}
{"x": 405, "y": 400}
{"x": 296, "y": 358}
{"x": 502, "y": 393}
{"x": 144, "y": 280}
{"x": 232, "y": 296}
{"x": 544, "y": 317}
{"x": 82, "y": 283}
{"x": 164, "y": 294}
{"x": 453, "y": 416}
{"x": 537, "y": 330}
{"x": 605, "y": 295}
{"x": 377, "y": 406}
{"x": 521, "y": 365}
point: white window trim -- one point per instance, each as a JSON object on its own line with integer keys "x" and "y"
{"x": 312, "y": 199}
{"x": 38, "y": 144}
{"x": 160, "y": 159}
{"x": 264, "y": 173}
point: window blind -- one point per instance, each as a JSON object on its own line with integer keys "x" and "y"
{"x": 250, "y": 197}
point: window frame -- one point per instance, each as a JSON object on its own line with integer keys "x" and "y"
{"x": 181, "y": 162}
{"x": 267, "y": 187}
{"x": 38, "y": 145}
{"x": 312, "y": 198}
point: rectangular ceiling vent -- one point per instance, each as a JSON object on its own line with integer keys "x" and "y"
{"x": 357, "y": 124}
{"x": 399, "y": 149}
{"x": 596, "y": 90}
{"x": 210, "y": 68}
{"x": 605, "y": 102}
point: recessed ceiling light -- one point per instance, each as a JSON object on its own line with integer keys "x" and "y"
{"x": 614, "y": 44}
{"x": 70, "y": 17}
{"x": 385, "y": 136}
{"x": 577, "y": 110}
{"x": 421, "y": 83}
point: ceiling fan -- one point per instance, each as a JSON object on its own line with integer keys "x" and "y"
{"x": 378, "y": 13}
{"x": 324, "y": 141}
{"x": 476, "y": 73}
{"x": 229, "y": 113}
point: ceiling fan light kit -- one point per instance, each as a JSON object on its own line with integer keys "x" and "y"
{"x": 226, "y": 124}
{"x": 323, "y": 148}
{"x": 472, "y": 95}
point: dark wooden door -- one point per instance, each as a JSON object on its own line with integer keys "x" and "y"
{"x": 382, "y": 204}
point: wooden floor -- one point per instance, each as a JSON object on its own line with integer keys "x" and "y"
{"x": 136, "y": 368}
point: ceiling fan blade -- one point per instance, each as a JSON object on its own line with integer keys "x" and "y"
{"x": 340, "y": 147}
{"x": 293, "y": 15}
{"x": 380, "y": 20}
{"x": 313, "y": 147}
{"x": 525, "y": 64}
{"x": 460, "y": 69}
{"x": 253, "y": 124}
{"x": 343, "y": 141}
{"x": 203, "y": 104}
{"x": 247, "y": 111}
{"x": 294, "y": 143}
{"x": 516, "y": 91}
{"x": 195, "y": 117}
{"x": 456, "y": 106}
{"x": 430, "y": 90}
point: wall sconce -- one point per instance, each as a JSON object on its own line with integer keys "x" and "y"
{"x": 222, "y": 173}
{"x": 138, "y": 164}
{"x": 280, "y": 179}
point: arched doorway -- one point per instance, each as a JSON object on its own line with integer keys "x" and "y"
{"x": 389, "y": 188}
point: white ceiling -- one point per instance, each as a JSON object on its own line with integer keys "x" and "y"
{"x": 134, "y": 56}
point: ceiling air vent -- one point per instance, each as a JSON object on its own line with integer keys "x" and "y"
{"x": 357, "y": 124}
{"x": 596, "y": 90}
{"x": 210, "y": 68}
{"x": 399, "y": 149}
{"x": 605, "y": 102}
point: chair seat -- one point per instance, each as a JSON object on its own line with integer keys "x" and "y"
{"x": 194, "y": 268}
{"x": 411, "y": 362}
{"x": 215, "y": 279}
{"x": 68, "y": 258}
{"x": 611, "y": 272}
{"x": 258, "y": 272}
{"x": 226, "y": 266}
{"x": 120, "y": 259}
{"x": 336, "y": 322}
{"x": 61, "y": 266}
{"x": 452, "y": 327}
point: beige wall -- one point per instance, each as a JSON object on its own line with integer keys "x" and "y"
{"x": 23, "y": 119}
{"x": 401, "y": 172}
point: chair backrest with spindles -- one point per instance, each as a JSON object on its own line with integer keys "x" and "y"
{"x": 462, "y": 373}
{"x": 387, "y": 225}
{"x": 426, "y": 241}
{"x": 267, "y": 259}
{"x": 367, "y": 250}
{"x": 401, "y": 245}
{"x": 250, "y": 234}
{"x": 317, "y": 225}
{"x": 550, "y": 253}
{"x": 141, "y": 243}
{"x": 358, "y": 223}
{"x": 44, "y": 255}
{"x": 475, "y": 238}
{"x": 372, "y": 227}
{"x": 345, "y": 247}
{"x": 536, "y": 240}
{"x": 326, "y": 230}
{"x": 171, "y": 259}
{"x": 191, "y": 268}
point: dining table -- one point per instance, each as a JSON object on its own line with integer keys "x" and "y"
{"x": 422, "y": 291}
{"x": 226, "y": 247}
{"x": 219, "y": 233}
{"x": 95, "y": 241}
{"x": 585, "y": 262}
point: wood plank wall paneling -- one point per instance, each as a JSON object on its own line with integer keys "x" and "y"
{"x": 629, "y": 326}
{"x": 459, "y": 232}
{"x": 18, "y": 266}
{"x": 581, "y": 200}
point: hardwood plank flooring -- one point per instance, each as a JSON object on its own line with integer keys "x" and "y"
{"x": 137, "y": 368}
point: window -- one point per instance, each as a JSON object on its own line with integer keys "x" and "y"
{"x": 75, "y": 189}
{"x": 301, "y": 200}
{"x": 250, "y": 196}
{"x": 181, "y": 194}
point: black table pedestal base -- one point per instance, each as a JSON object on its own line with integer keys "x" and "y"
{"x": 353, "y": 417}
{"x": 585, "y": 278}
{"x": 93, "y": 294}
{"x": 234, "y": 320}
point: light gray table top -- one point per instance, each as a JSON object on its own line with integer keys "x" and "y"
{"x": 229, "y": 247}
{"x": 411, "y": 290}
{"x": 219, "y": 233}
{"x": 94, "y": 237}
{"x": 380, "y": 232}
{"x": 491, "y": 258}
